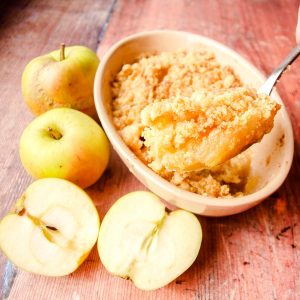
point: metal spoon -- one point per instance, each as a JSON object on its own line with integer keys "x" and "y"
{"x": 267, "y": 87}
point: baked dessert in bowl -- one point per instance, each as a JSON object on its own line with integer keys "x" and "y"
{"x": 150, "y": 67}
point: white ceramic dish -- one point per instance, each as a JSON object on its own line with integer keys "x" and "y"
{"x": 272, "y": 157}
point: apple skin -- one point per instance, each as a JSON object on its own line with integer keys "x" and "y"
{"x": 65, "y": 143}
{"x": 48, "y": 82}
{"x": 51, "y": 229}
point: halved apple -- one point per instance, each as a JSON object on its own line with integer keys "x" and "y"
{"x": 139, "y": 240}
{"x": 51, "y": 229}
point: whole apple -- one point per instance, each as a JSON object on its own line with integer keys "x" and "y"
{"x": 65, "y": 143}
{"x": 62, "y": 78}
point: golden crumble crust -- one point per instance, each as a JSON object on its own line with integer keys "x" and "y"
{"x": 202, "y": 131}
{"x": 156, "y": 80}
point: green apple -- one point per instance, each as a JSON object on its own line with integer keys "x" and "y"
{"x": 65, "y": 143}
{"x": 51, "y": 229}
{"x": 139, "y": 240}
{"x": 62, "y": 78}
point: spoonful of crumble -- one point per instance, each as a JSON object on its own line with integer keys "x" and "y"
{"x": 202, "y": 131}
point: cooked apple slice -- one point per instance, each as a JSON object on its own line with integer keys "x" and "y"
{"x": 139, "y": 240}
{"x": 51, "y": 229}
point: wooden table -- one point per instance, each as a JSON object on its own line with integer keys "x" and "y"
{"x": 253, "y": 255}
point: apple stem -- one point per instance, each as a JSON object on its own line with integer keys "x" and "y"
{"x": 62, "y": 51}
{"x": 54, "y": 133}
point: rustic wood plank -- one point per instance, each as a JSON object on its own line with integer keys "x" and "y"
{"x": 253, "y": 255}
{"x": 28, "y": 29}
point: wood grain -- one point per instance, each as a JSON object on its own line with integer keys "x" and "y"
{"x": 253, "y": 255}
{"x": 29, "y": 29}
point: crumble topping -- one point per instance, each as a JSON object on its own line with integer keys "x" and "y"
{"x": 205, "y": 130}
{"x": 164, "y": 104}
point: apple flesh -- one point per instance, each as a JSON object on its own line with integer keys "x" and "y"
{"x": 65, "y": 143}
{"x": 139, "y": 240}
{"x": 51, "y": 229}
{"x": 62, "y": 78}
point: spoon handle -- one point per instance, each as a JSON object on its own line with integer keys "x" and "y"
{"x": 268, "y": 85}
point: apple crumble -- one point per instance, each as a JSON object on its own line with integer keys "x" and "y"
{"x": 167, "y": 106}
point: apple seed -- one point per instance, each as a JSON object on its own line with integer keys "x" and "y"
{"x": 51, "y": 228}
{"x": 21, "y": 212}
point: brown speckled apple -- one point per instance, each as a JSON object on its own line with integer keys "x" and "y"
{"x": 62, "y": 78}
{"x": 65, "y": 143}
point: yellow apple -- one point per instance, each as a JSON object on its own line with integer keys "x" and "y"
{"x": 65, "y": 143}
{"x": 139, "y": 240}
{"x": 62, "y": 78}
{"x": 51, "y": 229}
